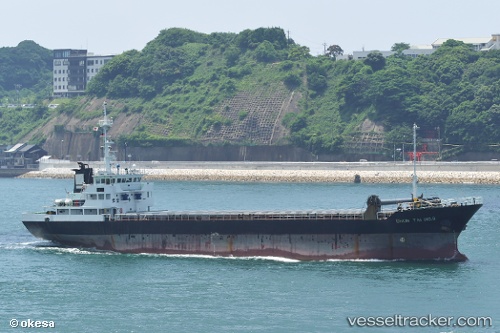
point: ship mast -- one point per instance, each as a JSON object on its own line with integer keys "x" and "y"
{"x": 105, "y": 124}
{"x": 415, "y": 178}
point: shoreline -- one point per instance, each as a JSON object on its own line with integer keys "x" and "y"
{"x": 301, "y": 175}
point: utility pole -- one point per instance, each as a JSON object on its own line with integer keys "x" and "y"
{"x": 439, "y": 142}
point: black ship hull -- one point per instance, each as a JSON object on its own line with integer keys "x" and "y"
{"x": 417, "y": 234}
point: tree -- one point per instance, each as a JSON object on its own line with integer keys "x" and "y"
{"x": 251, "y": 39}
{"x": 317, "y": 82}
{"x": 391, "y": 90}
{"x": 296, "y": 52}
{"x": 292, "y": 80}
{"x": 265, "y": 52}
{"x": 400, "y": 47}
{"x": 232, "y": 54}
{"x": 375, "y": 60}
{"x": 26, "y": 64}
{"x": 175, "y": 37}
{"x": 333, "y": 51}
{"x": 453, "y": 43}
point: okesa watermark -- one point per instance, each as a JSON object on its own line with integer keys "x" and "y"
{"x": 422, "y": 321}
{"x": 30, "y": 323}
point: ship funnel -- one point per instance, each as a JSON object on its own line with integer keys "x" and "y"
{"x": 83, "y": 175}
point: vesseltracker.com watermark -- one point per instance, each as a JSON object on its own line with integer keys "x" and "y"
{"x": 422, "y": 321}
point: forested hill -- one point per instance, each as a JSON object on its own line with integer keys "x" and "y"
{"x": 259, "y": 88}
{"x": 28, "y": 66}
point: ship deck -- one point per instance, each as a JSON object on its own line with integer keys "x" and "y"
{"x": 329, "y": 214}
{"x": 354, "y": 214}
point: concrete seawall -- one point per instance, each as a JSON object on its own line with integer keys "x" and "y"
{"x": 369, "y": 172}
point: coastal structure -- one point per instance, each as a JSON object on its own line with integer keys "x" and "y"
{"x": 20, "y": 158}
{"x": 21, "y": 155}
{"x": 73, "y": 69}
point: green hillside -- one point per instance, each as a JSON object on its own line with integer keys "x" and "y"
{"x": 27, "y": 66}
{"x": 259, "y": 88}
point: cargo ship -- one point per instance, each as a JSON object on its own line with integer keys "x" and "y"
{"x": 110, "y": 209}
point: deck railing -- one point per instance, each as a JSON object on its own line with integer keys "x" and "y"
{"x": 254, "y": 216}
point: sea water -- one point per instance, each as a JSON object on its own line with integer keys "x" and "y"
{"x": 84, "y": 290}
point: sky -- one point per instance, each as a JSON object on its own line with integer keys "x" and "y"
{"x": 114, "y": 26}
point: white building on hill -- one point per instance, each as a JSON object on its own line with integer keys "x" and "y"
{"x": 73, "y": 70}
{"x": 479, "y": 44}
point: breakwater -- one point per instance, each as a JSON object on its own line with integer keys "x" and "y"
{"x": 470, "y": 173}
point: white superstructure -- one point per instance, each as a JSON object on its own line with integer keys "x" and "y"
{"x": 101, "y": 196}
